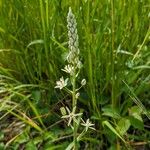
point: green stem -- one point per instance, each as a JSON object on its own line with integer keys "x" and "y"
{"x": 47, "y": 14}
{"x": 112, "y": 55}
{"x": 81, "y": 135}
{"x": 75, "y": 136}
{"x": 43, "y": 27}
{"x": 74, "y": 103}
{"x": 45, "y": 23}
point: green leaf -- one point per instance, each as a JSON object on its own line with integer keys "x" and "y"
{"x": 110, "y": 112}
{"x": 135, "y": 111}
{"x": 111, "y": 136}
{"x": 35, "y": 42}
{"x": 52, "y": 146}
{"x": 113, "y": 130}
{"x": 35, "y": 110}
{"x": 38, "y": 139}
{"x": 123, "y": 126}
{"x": 113, "y": 147}
{"x": 49, "y": 136}
{"x": 30, "y": 146}
{"x": 36, "y": 96}
{"x": 22, "y": 138}
{"x": 142, "y": 67}
{"x": 55, "y": 147}
{"x": 2, "y": 146}
{"x": 70, "y": 146}
{"x": 136, "y": 123}
{"x": 1, "y": 135}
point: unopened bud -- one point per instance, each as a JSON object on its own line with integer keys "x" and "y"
{"x": 83, "y": 82}
{"x": 77, "y": 95}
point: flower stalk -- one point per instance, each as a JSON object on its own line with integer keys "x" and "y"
{"x": 73, "y": 68}
{"x": 73, "y": 59}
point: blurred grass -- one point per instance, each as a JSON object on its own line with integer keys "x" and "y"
{"x": 114, "y": 44}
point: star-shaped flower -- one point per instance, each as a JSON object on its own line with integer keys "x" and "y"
{"x": 69, "y": 69}
{"x": 87, "y": 124}
{"x": 71, "y": 115}
{"x": 61, "y": 83}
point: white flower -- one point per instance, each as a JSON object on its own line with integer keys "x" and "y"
{"x": 71, "y": 115}
{"x": 61, "y": 83}
{"x": 69, "y": 69}
{"x": 83, "y": 82}
{"x": 87, "y": 124}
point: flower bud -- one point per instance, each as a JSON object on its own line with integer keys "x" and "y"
{"x": 77, "y": 95}
{"x": 83, "y": 82}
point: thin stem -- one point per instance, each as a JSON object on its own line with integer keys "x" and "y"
{"x": 44, "y": 28}
{"x": 47, "y": 14}
{"x": 81, "y": 135}
{"x": 74, "y": 103}
{"x": 74, "y": 92}
{"x": 140, "y": 48}
{"x": 112, "y": 55}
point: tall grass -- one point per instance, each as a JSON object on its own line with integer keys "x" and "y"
{"x": 114, "y": 45}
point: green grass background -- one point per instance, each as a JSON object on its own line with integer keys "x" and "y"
{"x": 114, "y": 43}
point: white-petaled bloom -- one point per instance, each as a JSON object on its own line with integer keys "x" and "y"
{"x": 61, "y": 83}
{"x": 87, "y": 124}
{"x": 83, "y": 82}
{"x": 71, "y": 115}
{"x": 69, "y": 69}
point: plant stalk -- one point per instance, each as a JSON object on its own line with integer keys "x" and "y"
{"x": 74, "y": 103}
{"x": 112, "y": 55}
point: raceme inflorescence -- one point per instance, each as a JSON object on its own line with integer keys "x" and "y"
{"x": 73, "y": 68}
